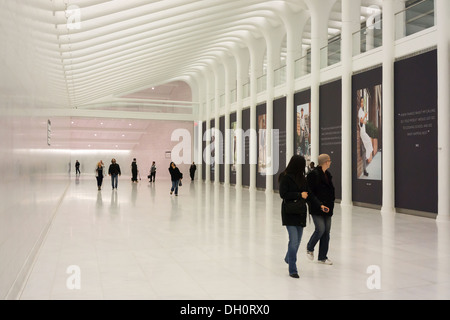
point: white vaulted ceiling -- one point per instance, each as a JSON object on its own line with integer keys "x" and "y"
{"x": 108, "y": 48}
{"x": 108, "y": 54}
{"x": 124, "y": 45}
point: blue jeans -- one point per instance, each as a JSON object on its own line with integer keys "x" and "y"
{"x": 295, "y": 236}
{"x": 322, "y": 234}
{"x": 114, "y": 179}
{"x": 175, "y": 186}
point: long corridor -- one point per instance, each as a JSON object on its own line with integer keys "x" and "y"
{"x": 217, "y": 243}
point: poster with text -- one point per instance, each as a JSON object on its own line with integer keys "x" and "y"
{"x": 367, "y": 137}
{"x": 416, "y": 139}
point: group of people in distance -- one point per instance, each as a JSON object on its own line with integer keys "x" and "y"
{"x": 114, "y": 171}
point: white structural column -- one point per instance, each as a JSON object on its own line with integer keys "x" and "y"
{"x": 242, "y": 58}
{"x": 256, "y": 50}
{"x": 201, "y": 117}
{"x": 388, "y": 195}
{"x": 227, "y": 139}
{"x": 207, "y": 151}
{"x": 295, "y": 24}
{"x": 443, "y": 27}
{"x": 350, "y": 23}
{"x": 320, "y": 11}
{"x": 217, "y": 139}
{"x": 273, "y": 40}
{"x": 269, "y": 113}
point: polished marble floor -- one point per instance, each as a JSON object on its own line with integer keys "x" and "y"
{"x": 218, "y": 243}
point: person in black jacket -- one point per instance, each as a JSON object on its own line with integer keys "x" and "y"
{"x": 192, "y": 170}
{"x": 321, "y": 185}
{"x": 114, "y": 172}
{"x": 294, "y": 187}
{"x": 176, "y": 177}
{"x": 134, "y": 171}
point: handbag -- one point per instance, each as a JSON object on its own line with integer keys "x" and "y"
{"x": 294, "y": 206}
{"x": 180, "y": 184}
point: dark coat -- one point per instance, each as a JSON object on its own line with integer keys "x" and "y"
{"x": 289, "y": 191}
{"x": 114, "y": 168}
{"x": 175, "y": 174}
{"x": 321, "y": 185}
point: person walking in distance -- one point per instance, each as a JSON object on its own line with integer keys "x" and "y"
{"x": 152, "y": 175}
{"x": 321, "y": 185}
{"x": 99, "y": 174}
{"x": 176, "y": 177}
{"x": 295, "y": 193}
{"x": 134, "y": 171}
{"x": 192, "y": 170}
{"x": 114, "y": 172}
{"x": 77, "y": 167}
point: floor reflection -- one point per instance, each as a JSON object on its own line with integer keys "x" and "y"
{"x": 221, "y": 242}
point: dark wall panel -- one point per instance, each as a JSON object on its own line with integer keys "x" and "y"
{"x": 416, "y": 142}
{"x": 279, "y": 123}
{"x": 330, "y": 122}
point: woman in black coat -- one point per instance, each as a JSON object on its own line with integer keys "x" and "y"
{"x": 321, "y": 185}
{"x": 175, "y": 176}
{"x": 294, "y": 188}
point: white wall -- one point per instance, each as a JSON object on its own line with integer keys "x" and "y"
{"x": 32, "y": 179}
{"x": 152, "y": 146}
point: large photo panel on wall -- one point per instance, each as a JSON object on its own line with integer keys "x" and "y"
{"x": 261, "y": 114}
{"x": 302, "y": 124}
{"x": 416, "y": 142}
{"x": 233, "y": 147}
{"x": 330, "y": 123}
{"x": 213, "y": 151}
{"x": 279, "y": 126}
{"x": 222, "y": 149}
{"x": 203, "y": 150}
{"x": 246, "y": 146}
{"x": 367, "y": 137}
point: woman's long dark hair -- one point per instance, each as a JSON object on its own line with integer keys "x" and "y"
{"x": 295, "y": 168}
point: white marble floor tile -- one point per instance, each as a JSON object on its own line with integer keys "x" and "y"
{"x": 217, "y": 243}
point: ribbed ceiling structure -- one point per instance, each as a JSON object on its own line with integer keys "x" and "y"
{"x": 104, "y": 49}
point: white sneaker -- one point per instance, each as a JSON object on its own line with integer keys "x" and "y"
{"x": 310, "y": 255}
{"x": 326, "y": 261}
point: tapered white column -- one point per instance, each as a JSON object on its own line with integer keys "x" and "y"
{"x": 294, "y": 33}
{"x": 347, "y": 59}
{"x": 227, "y": 138}
{"x": 269, "y": 116}
{"x": 242, "y": 58}
{"x": 320, "y": 12}
{"x": 388, "y": 196}
{"x": 217, "y": 138}
{"x": 443, "y": 27}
